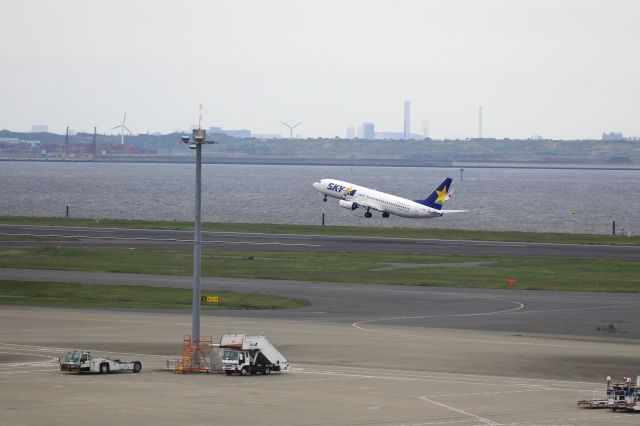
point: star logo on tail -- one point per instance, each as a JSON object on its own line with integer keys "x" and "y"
{"x": 442, "y": 195}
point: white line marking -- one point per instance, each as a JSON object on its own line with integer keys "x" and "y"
{"x": 94, "y": 237}
{"x": 276, "y": 235}
{"x": 28, "y": 371}
{"x": 457, "y": 410}
{"x": 358, "y": 324}
{"x": 464, "y": 378}
{"x": 25, "y": 348}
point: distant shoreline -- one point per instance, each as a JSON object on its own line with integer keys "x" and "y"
{"x": 326, "y": 162}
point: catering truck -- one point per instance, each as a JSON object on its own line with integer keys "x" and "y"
{"x": 83, "y": 362}
{"x": 246, "y": 355}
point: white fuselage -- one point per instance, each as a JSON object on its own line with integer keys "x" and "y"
{"x": 370, "y": 198}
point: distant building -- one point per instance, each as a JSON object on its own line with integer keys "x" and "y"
{"x": 351, "y": 133}
{"x": 397, "y": 136}
{"x": 242, "y": 133}
{"x": 39, "y": 128}
{"x": 612, "y": 137}
{"x": 267, "y": 135}
{"x": 18, "y": 145}
{"x": 9, "y": 140}
{"x": 407, "y": 118}
{"x": 368, "y": 131}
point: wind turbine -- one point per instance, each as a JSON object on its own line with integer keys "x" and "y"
{"x": 122, "y": 128}
{"x": 291, "y": 128}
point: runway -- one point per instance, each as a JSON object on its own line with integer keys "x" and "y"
{"x": 163, "y": 239}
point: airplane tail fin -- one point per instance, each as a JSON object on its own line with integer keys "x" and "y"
{"x": 439, "y": 196}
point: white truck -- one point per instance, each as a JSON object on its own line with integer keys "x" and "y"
{"x": 246, "y": 355}
{"x": 83, "y": 362}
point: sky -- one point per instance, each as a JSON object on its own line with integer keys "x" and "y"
{"x": 563, "y": 69}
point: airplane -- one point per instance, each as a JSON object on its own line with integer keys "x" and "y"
{"x": 354, "y": 196}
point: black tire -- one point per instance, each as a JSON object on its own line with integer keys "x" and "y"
{"x": 367, "y": 214}
{"x": 104, "y": 368}
{"x": 244, "y": 371}
{"x": 229, "y": 372}
{"x": 137, "y": 367}
{"x": 267, "y": 371}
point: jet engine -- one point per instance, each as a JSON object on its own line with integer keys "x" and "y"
{"x": 348, "y": 204}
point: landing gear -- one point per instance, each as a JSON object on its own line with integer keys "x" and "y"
{"x": 324, "y": 198}
{"x": 385, "y": 214}
{"x": 367, "y": 214}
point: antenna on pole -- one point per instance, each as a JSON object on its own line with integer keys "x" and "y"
{"x": 66, "y": 143}
{"x": 199, "y": 116}
{"x": 291, "y": 128}
{"x": 407, "y": 122}
{"x": 93, "y": 142}
{"x": 425, "y": 128}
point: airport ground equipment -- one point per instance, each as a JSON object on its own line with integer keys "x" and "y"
{"x": 83, "y": 362}
{"x": 246, "y": 355}
{"x": 195, "y": 355}
{"x": 623, "y": 396}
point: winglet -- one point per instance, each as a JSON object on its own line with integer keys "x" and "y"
{"x": 439, "y": 196}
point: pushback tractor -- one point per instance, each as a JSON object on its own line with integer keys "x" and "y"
{"x": 83, "y": 362}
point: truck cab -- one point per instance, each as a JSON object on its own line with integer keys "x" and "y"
{"x": 245, "y": 363}
{"x": 236, "y": 361}
{"x": 76, "y": 361}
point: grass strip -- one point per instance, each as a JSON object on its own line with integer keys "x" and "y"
{"x": 423, "y": 269}
{"x": 446, "y": 234}
{"x": 130, "y": 297}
